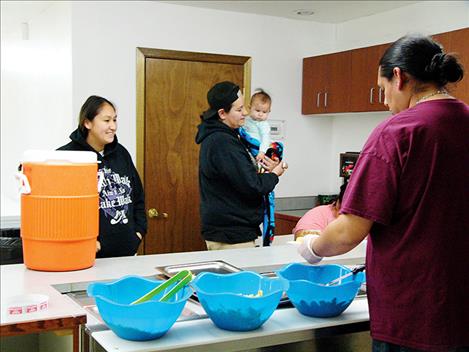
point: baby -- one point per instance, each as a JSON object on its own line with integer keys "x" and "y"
{"x": 256, "y": 124}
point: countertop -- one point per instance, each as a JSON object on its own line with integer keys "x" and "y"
{"x": 297, "y": 213}
{"x": 284, "y": 326}
{"x": 16, "y": 279}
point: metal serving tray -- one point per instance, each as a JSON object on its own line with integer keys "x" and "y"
{"x": 361, "y": 291}
{"x": 192, "y": 310}
{"x": 216, "y": 266}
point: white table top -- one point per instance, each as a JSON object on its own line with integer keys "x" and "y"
{"x": 16, "y": 279}
{"x": 285, "y": 325}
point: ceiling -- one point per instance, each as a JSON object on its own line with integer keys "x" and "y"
{"x": 324, "y": 11}
{"x": 14, "y": 12}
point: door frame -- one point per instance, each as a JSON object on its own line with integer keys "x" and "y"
{"x": 142, "y": 55}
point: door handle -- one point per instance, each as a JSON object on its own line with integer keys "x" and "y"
{"x": 153, "y": 213}
{"x": 317, "y": 99}
{"x": 379, "y": 95}
{"x": 325, "y": 100}
{"x": 371, "y": 94}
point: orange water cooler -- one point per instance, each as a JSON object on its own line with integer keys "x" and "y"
{"x": 59, "y": 210}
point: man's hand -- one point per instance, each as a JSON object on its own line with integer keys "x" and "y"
{"x": 306, "y": 251}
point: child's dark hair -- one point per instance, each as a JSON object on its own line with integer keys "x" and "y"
{"x": 341, "y": 194}
{"x": 342, "y": 191}
{"x": 90, "y": 108}
{"x": 422, "y": 58}
{"x": 260, "y": 94}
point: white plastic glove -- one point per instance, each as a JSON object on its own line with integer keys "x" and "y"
{"x": 306, "y": 251}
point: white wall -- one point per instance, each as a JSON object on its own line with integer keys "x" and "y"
{"x": 106, "y": 34}
{"x": 426, "y": 17}
{"x": 349, "y": 131}
{"x": 104, "y": 37}
{"x": 36, "y": 92}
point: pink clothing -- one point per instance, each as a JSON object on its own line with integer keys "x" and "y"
{"x": 411, "y": 180}
{"x": 316, "y": 219}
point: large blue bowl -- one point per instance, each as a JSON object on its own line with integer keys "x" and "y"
{"x": 308, "y": 293}
{"x": 225, "y": 298}
{"x": 139, "y": 322}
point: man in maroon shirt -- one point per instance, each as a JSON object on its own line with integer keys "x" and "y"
{"x": 409, "y": 192}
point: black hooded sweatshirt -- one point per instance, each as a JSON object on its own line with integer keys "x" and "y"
{"x": 231, "y": 190}
{"x": 121, "y": 198}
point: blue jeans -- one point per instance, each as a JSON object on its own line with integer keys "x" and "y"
{"x": 380, "y": 346}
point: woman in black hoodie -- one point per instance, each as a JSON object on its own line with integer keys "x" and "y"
{"x": 231, "y": 189}
{"x": 122, "y": 221}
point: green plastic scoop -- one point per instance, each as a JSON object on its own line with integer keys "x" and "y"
{"x": 184, "y": 277}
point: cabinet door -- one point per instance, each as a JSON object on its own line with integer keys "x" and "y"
{"x": 365, "y": 94}
{"x": 459, "y": 43}
{"x": 284, "y": 226}
{"x": 336, "y": 96}
{"x": 443, "y": 39}
{"x": 314, "y": 69}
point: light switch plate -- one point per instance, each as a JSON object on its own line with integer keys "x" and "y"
{"x": 277, "y": 129}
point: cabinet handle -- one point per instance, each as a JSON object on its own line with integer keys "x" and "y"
{"x": 317, "y": 99}
{"x": 325, "y": 100}
{"x": 379, "y": 95}
{"x": 371, "y": 94}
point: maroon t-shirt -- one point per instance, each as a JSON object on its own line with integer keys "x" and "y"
{"x": 412, "y": 180}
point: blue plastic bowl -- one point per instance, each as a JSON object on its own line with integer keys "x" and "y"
{"x": 139, "y": 322}
{"x": 225, "y": 298}
{"x": 308, "y": 293}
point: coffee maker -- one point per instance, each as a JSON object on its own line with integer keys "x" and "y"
{"x": 347, "y": 164}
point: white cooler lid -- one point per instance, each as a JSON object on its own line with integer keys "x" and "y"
{"x": 59, "y": 156}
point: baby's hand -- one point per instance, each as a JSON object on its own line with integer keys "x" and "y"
{"x": 260, "y": 156}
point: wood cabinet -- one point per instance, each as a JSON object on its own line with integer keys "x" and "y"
{"x": 459, "y": 44}
{"x": 346, "y": 81}
{"x": 443, "y": 39}
{"x": 60, "y": 326}
{"x": 313, "y": 84}
{"x": 284, "y": 224}
{"x": 365, "y": 95}
{"x": 342, "y": 82}
{"x": 326, "y": 83}
{"x": 337, "y": 91}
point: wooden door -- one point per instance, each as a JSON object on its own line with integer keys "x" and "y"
{"x": 314, "y": 75}
{"x": 175, "y": 89}
{"x": 365, "y": 94}
{"x": 337, "y": 92}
